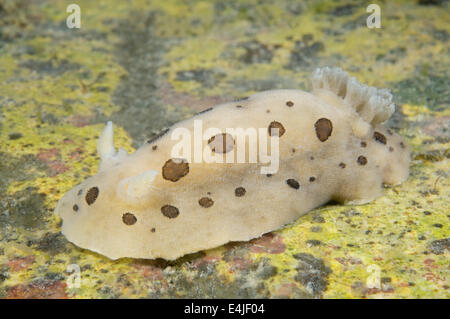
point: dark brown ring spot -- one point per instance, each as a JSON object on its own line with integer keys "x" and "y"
{"x": 159, "y": 135}
{"x": 170, "y": 211}
{"x": 293, "y": 183}
{"x": 362, "y": 160}
{"x": 240, "y": 191}
{"x": 290, "y": 103}
{"x": 221, "y": 143}
{"x": 380, "y": 138}
{"x": 75, "y": 208}
{"x": 342, "y": 165}
{"x": 278, "y": 129}
{"x": 174, "y": 169}
{"x": 92, "y": 195}
{"x": 206, "y": 202}
{"x": 363, "y": 144}
{"x": 312, "y": 179}
{"x": 129, "y": 219}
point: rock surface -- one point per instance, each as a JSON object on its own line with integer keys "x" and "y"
{"x": 148, "y": 65}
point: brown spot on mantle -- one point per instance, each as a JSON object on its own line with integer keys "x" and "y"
{"x": 293, "y": 183}
{"x": 324, "y": 128}
{"x": 221, "y": 143}
{"x": 240, "y": 191}
{"x": 362, "y": 160}
{"x": 380, "y": 138}
{"x": 92, "y": 195}
{"x": 170, "y": 211}
{"x": 206, "y": 202}
{"x": 129, "y": 219}
{"x": 276, "y": 125}
{"x": 174, "y": 169}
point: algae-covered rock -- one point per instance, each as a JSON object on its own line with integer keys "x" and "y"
{"x": 147, "y": 65}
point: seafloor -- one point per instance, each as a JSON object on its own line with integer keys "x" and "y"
{"x": 148, "y": 64}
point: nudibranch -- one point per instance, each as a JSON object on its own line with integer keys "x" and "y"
{"x": 149, "y": 204}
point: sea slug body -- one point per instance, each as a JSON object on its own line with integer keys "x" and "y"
{"x": 149, "y": 204}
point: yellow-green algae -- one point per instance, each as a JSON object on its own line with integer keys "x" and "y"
{"x": 59, "y": 86}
